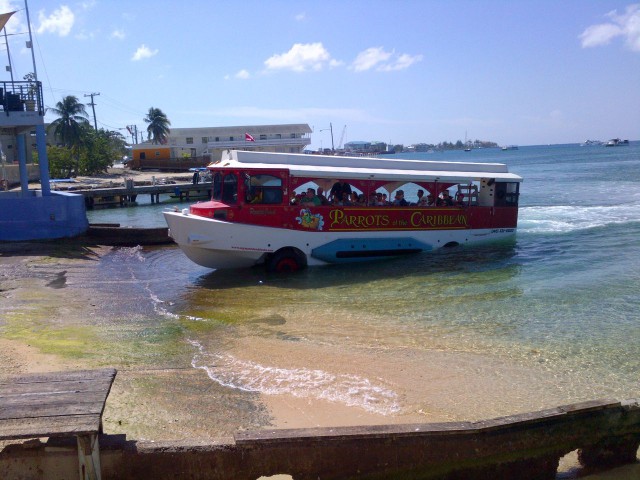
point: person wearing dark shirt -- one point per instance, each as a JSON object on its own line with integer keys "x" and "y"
{"x": 339, "y": 188}
{"x": 446, "y": 199}
{"x": 399, "y": 200}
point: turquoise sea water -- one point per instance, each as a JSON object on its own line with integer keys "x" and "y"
{"x": 564, "y": 298}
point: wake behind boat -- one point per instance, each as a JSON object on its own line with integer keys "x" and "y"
{"x": 257, "y": 214}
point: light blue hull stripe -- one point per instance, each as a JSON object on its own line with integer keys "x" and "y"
{"x": 363, "y": 249}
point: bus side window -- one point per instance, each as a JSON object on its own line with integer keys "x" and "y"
{"x": 272, "y": 195}
{"x": 217, "y": 186}
{"x": 269, "y": 187}
{"x": 506, "y": 194}
{"x": 230, "y": 188}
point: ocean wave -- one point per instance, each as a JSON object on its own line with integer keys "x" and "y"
{"x": 351, "y": 390}
{"x": 569, "y": 218}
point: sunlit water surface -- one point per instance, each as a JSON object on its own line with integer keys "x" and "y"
{"x": 563, "y": 297}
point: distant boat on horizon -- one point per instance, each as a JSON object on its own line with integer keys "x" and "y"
{"x": 510, "y": 147}
{"x": 467, "y": 146}
{"x": 616, "y": 142}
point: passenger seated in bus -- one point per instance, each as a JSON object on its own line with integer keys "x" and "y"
{"x": 257, "y": 196}
{"x": 431, "y": 202}
{"x": 399, "y": 200}
{"x": 420, "y": 197}
{"x": 353, "y": 198}
{"x": 447, "y": 201}
{"x": 372, "y": 199}
{"x": 320, "y": 194}
{"x": 346, "y": 200}
{"x": 362, "y": 202}
{"x": 459, "y": 199}
{"x": 384, "y": 199}
{"x": 338, "y": 189}
{"x": 423, "y": 202}
{"x": 311, "y": 198}
{"x": 296, "y": 199}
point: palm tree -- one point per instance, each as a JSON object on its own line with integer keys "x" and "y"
{"x": 68, "y": 128}
{"x": 158, "y": 129}
{"x": 72, "y": 125}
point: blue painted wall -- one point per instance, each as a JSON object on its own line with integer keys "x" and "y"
{"x": 59, "y": 215}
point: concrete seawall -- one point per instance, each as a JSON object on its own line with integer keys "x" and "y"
{"x": 527, "y": 446}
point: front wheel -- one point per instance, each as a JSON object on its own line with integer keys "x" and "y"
{"x": 285, "y": 261}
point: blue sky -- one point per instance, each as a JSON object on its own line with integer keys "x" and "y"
{"x": 514, "y": 72}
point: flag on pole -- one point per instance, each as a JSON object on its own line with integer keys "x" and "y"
{"x": 249, "y": 138}
{"x": 4, "y": 18}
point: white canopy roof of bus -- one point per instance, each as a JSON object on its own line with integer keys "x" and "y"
{"x": 364, "y": 168}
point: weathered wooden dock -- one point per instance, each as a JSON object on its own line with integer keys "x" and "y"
{"x": 128, "y": 194}
{"x": 61, "y": 404}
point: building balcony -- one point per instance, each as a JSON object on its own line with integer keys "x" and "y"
{"x": 21, "y": 104}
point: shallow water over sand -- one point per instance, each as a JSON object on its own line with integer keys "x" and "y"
{"x": 461, "y": 334}
{"x": 560, "y": 301}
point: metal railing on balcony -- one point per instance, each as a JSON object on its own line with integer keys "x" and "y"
{"x": 21, "y": 96}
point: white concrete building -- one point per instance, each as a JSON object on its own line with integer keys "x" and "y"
{"x": 209, "y": 142}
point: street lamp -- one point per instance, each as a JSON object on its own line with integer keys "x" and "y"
{"x": 330, "y": 128}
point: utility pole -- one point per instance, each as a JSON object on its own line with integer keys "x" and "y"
{"x": 133, "y": 131}
{"x": 93, "y": 107}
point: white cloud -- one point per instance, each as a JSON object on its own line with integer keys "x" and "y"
{"x": 143, "y": 52}
{"x": 119, "y": 34}
{"x": 403, "y": 61}
{"x": 383, "y": 61}
{"x": 626, "y": 25}
{"x": 301, "y": 58}
{"x": 370, "y": 58}
{"x": 240, "y": 75}
{"x": 60, "y": 21}
{"x": 84, "y": 36}
{"x": 301, "y": 17}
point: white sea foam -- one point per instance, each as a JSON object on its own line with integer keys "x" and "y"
{"x": 568, "y": 218}
{"x": 351, "y": 390}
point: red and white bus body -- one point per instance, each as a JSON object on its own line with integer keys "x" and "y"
{"x": 251, "y": 219}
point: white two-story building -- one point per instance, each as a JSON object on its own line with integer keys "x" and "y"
{"x": 191, "y": 147}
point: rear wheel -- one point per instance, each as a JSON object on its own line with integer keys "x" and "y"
{"x": 286, "y": 261}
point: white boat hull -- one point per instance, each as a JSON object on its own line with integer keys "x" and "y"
{"x": 220, "y": 244}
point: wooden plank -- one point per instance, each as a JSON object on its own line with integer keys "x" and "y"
{"x": 49, "y": 426}
{"x": 55, "y": 404}
{"x": 63, "y": 376}
{"x": 93, "y": 408}
{"x": 51, "y": 399}
{"x": 77, "y": 386}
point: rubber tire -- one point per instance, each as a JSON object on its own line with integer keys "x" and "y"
{"x": 284, "y": 261}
